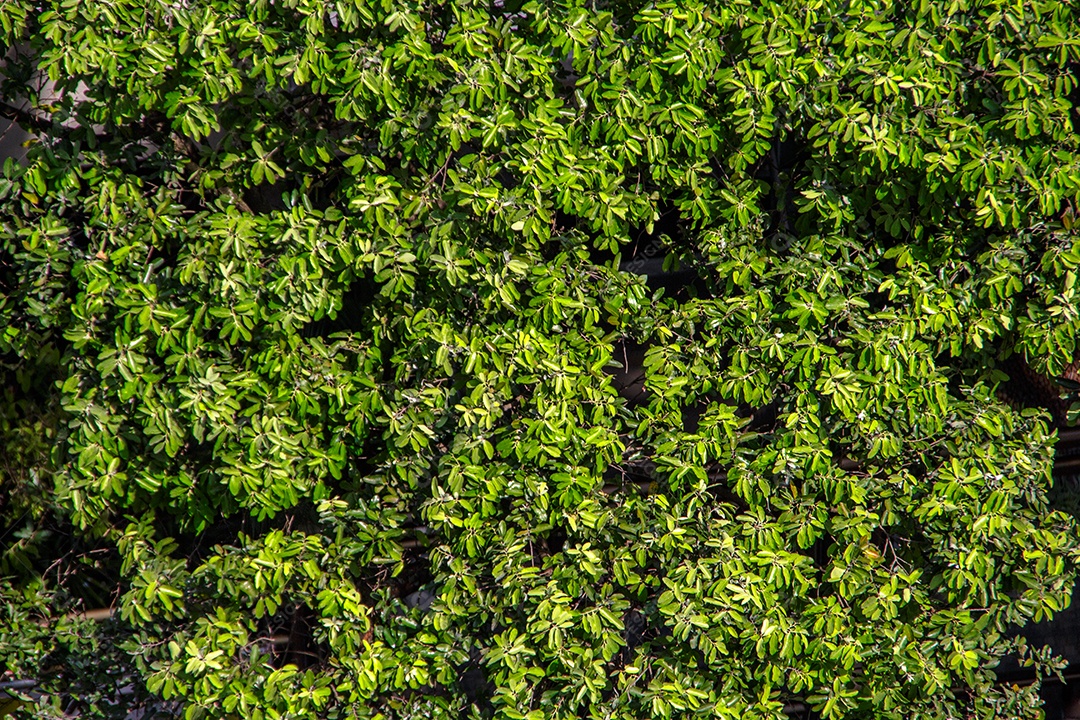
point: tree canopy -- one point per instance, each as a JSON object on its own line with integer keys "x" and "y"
{"x": 338, "y": 356}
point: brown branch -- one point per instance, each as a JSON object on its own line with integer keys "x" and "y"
{"x": 26, "y": 119}
{"x": 186, "y": 147}
{"x": 95, "y": 614}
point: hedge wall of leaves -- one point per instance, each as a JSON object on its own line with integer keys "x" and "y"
{"x": 318, "y": 322}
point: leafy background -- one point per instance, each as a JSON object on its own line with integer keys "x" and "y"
{"x": 321, "y": 322}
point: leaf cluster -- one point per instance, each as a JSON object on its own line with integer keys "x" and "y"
{"x": 318, "y": 318}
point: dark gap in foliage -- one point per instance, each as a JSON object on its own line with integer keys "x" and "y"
{"x": 91, "y": 583}
{"x": 196, "y": 547}
{"x": 81, "y": 572}
{"x": 268, "y": 197}
{"x": 780, "y": 169}
{"x": 97, "y": 671}
{"x": 629, "y": 379}
{"x": 821, "y": 550}
{"x": 661, "y": 255}
{"x": 556, "y": 540}
{"x": 416, "y": 573}
{"x": 1027, "y": 388}
{"x": 634, "y": 628}
{"x": 762, "y": 419}
{"x": 474, "y": 682}
{"x": 1061, "y": 699}
{"x": 568, "y": 232}
{"x": 692, "y": 413}
{"x": 350, "y": 316}
{"x": 302, "y": 649}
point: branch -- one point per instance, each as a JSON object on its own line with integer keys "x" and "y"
{"x": 26, "y": 119}
{"x": 186, "y": 147}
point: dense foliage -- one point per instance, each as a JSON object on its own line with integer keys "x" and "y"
{"x": 318, "y": 322}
